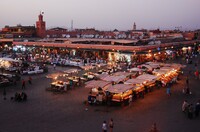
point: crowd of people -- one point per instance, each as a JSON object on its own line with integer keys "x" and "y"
{"x": 191, "y": 110}
{"x": 108, "y": 126}
{"x": 19, "y": 97}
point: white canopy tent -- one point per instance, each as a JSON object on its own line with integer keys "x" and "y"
{"x": 135, "y": 69}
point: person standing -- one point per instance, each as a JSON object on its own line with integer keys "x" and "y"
{"x": 187, "y": 86}
{"x": 195, "y": 65}
{"x": 71, "y": 84}
{"x": 2, "y": 69}
{"x": 111, "y": 125}
{"x": 100, "y": 98}
{"x": 30, "y": 80}
{"x": 104, "y": 127}
{"x": 130, "y": 99}
{"x": 54, "y": 66}
{"x": 187, "y": 81}
{"x": 65, "y": 86}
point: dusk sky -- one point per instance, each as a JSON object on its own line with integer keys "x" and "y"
{"x": 103, "y": 14}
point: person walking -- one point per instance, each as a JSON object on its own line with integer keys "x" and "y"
{"x": 23, "y": 84}
{"x": 104, "y": 127}
{"x": 111, "y": 125}
{"x": 168, "y": 89}
{"x": 154, "y": 128}
{"x": 185, "y": 106}
{"x": 54, "y": 66}
{"x": 197, "y": 109}
{"x": 190, "y": 111}
{"x": 30, "y": 80}
{"x": 196, "y": 74}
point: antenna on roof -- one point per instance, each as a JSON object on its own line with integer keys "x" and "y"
{"x": 72, "y": 25}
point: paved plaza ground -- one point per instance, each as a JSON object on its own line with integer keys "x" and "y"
{"x": 45, "y": 111}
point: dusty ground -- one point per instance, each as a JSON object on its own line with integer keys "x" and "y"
{"x": 48, "y": 112}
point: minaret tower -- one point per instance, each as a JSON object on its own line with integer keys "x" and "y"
{"x": 134, "y": 26}
{"x": 41, "y": 26}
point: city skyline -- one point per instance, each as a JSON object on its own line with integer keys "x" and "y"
{"x": 104, "y": 15}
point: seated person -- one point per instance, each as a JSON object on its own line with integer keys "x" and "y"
{"x": 24, "y": 96}
{"x": 16, "y": 96}
{"x": 89, "y": 99}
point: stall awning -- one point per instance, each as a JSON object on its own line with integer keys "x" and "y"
{"x": 102, "y": 76}
{"x": 122, "y": 73}
{"x": 135, "y": 69}
{"x": 9, "y": 59}
{"x": 116, "y": 79}
{"x": 147, "y": 77}
{"x": 147, "y": 66}
{"x": 96, "y": 84}
{"x": 71, "y": 71}
{"x": 134, "y": 81}
{"x": 119, "y": 88}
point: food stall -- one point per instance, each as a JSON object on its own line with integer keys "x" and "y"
{"x": 168, "y": 73}
{"x": 146, "y": 68}
{"x": 147, "y": 77}
{"x": 154, "y": 65}
{"x": 10, "y": 64}
{"x": 71, "y": 71}
{"x": 120, "y": 92}
{"x": 59, "y": 86}
{"x": 138, "y": 86}
{"x": 126, "y": 74}
{"x": 97, "y": 85}
{"x": 115, "y": 79}
{"x": 32, "y": 70}
{"x": 60, "y": 82}
{"x": 87, "y": 67}
{"x": 169, "y": 77}
{"x": 4, "y": 81}
{"x": 74, "y": 62}
{"x": 102, "y": 71}
{"x": 89, "y": 75}
{"x": 136, "y": 71}
{"x": 149, "y": 81}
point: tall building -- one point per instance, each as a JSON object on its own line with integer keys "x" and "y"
{"x": 41, "y": 27}
{"x": 134, "y": 26}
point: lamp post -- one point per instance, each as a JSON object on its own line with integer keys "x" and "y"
{"x": 2, "y": 69}
{"x": 4, "y": 93}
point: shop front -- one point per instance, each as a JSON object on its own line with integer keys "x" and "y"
{"x": 119, "y": 57}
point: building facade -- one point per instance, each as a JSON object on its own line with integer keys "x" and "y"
{"x": 18, "y": 31}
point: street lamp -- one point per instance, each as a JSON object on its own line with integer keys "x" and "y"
{"x": 4, "y": 93}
